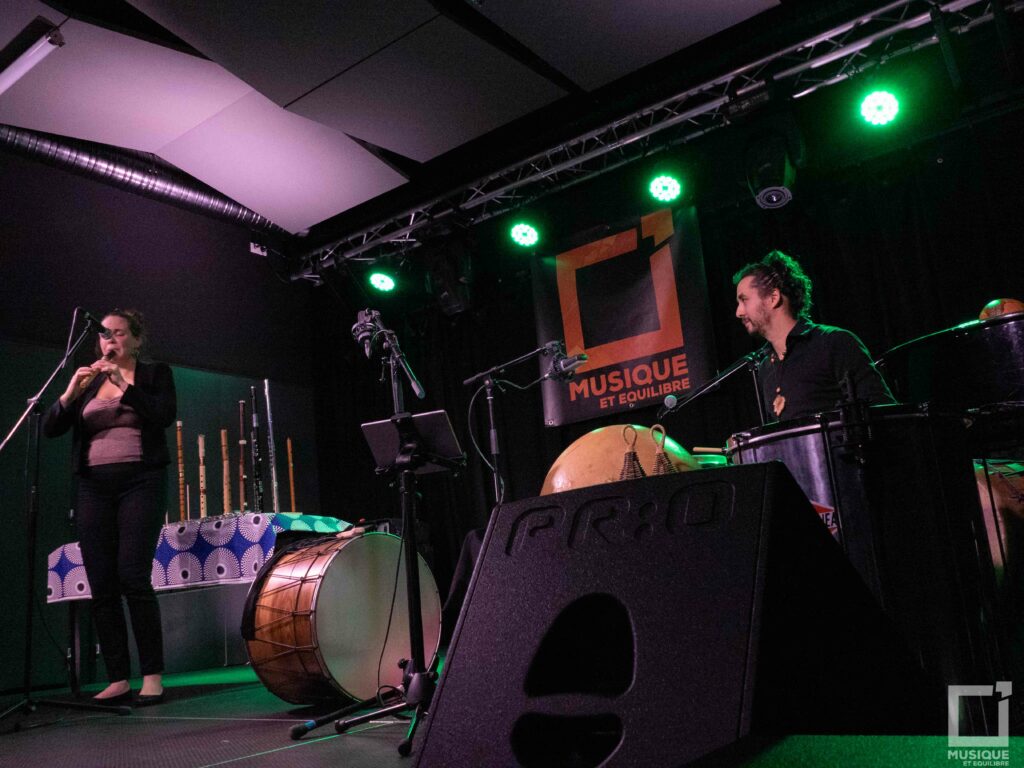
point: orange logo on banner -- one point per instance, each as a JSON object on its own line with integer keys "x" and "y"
{"x": 669, "y": 335}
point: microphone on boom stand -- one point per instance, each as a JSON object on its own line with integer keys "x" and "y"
{"x": 563, "y": 367}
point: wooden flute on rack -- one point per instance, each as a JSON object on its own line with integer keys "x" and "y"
{"x": 202, "y": 476}
{"x": 254, "y": 440}
{"x": 241, "y": 455}
{"x": 226, "y": 461}
{"x": 291, "y": 474}
{"x": 181, "y": 474}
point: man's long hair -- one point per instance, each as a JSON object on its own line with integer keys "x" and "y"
{"x": 777, "y": 270}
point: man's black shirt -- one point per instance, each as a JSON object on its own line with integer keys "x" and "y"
{"x": 809, "y": 378}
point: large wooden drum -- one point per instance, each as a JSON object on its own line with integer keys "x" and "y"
{"x": 328, "y": 618}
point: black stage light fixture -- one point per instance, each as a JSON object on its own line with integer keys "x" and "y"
{"x": 770, "y": 170}
{"x": 449, "y": 276}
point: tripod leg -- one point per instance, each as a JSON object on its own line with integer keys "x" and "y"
{"x": 343, "y": 725}
{"x": 405, "y": 748}
{"x": 300, "y": 730}
{"x": 24, "y": 705}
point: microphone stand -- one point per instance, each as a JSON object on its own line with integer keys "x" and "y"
{"x": 418, "y": 682}
{"x": 747, "y": 362}
{"x": 489, "y": 385}
{"x": 27, "y": 704}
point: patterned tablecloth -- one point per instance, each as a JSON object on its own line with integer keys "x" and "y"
{"x": 215, "y": 550}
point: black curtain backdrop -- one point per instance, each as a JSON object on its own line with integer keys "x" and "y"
{"x": 900, "y": 237}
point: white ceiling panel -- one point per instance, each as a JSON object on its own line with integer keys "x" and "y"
{"x": 594, "y": 42}
{"x": 429, "y": 92}
{"x": 286, "y": 49}
{"x": 283, "y": 166}
{"x": 110, "y": 88}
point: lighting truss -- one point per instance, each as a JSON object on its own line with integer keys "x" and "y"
{"x": 868, "y": 41}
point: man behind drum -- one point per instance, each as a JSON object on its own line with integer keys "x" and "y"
{"x": 810, "y": 368}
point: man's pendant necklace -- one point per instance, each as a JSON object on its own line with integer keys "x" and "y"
{"x": 779, "y": 403}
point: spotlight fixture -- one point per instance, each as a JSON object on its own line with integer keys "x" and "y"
{"x": 665, "y": 188}
{"x": 879, "y": 108}
{"x": 382, "y": 282}
{"x": 524, "y": 234}
{"x": 46, "y": 44}
{"x": 770, "y": 171}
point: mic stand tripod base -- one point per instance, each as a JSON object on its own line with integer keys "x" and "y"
{"x": 29, "y": 705}
{"x": 300, "y": 730}
{"x": 418, "y": 690}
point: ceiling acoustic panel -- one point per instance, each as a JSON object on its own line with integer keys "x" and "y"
{"x": 284, "y": 49}
{"x": 429, "y": 92}
{"x": 110, "y": 88}
{"x": 594, "y": 42}
{"x": 292, "y": 170}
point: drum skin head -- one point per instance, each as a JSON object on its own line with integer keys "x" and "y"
{"x": 596, "y": 458}
{"x": 331, "y": 618}
{"x": 998, "y": 307}
{"x": 352, "y": 611}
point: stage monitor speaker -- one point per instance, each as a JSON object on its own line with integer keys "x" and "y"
{"x": 655, "y": 621}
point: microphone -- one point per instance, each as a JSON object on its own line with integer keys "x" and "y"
{"x": 96, "y": 324}
{"x": 366, "y": 325}
{"x": 760, "y": 353}
{"x": 564, "y": 368}
{"x": 668, "y": 407}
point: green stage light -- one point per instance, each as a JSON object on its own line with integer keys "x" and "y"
{"x": 879, "y": 108}
{"x": 524, "y": 234}
{"x": 665, "y": 188}
{"x": 382, "y": 282}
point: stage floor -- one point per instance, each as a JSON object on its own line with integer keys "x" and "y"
{"x": 225, "y": 717}
{"x": 217, "y": 717}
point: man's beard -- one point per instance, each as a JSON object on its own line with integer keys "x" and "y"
{"x": 752, "y": 328}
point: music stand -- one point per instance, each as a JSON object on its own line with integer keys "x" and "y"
{"x": 433, "y": 427}
{"x": 408, "y": 445}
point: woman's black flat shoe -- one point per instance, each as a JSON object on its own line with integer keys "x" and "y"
{"x": 115, "y": 701}
{"x": 145, "y": 700}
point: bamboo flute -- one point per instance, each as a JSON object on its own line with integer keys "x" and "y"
{"x": 226, "y": 461}
{"x": 291, "y": 473}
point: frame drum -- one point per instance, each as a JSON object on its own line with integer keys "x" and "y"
{"x": 328, "y": 618}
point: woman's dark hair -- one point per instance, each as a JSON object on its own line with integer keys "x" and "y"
{"x": 777, "y": 270}
{"x": 136, "y": 325}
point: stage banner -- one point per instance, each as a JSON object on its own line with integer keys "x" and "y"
{"x": 635, "y": 301}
